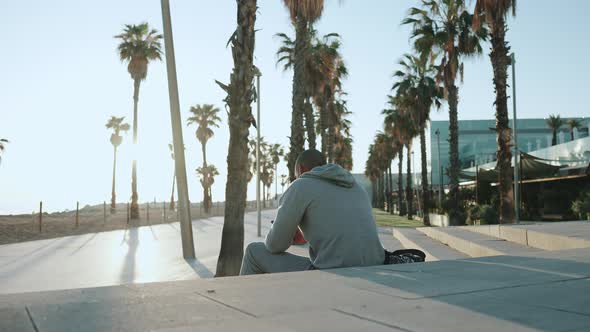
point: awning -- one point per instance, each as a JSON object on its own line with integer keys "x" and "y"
{"x": 531, "y": 167}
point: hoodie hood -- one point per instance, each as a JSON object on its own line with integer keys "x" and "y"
{"x": 332, "y": 173}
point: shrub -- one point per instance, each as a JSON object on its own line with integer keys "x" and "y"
{"x": 488, "y": 215}
{"x": 473, "y": 214}
{"x": 581, "y": 206}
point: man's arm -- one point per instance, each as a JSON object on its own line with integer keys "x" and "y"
{"x": 289, "y": 215}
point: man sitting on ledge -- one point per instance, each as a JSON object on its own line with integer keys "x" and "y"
{"x": 334, "y": 214}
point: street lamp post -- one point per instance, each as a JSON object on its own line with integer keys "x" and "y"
{"x": 258, "y": 205}
{"x": 186, "y": 231}
{"x": 439, "y": 168}
{"x": 516, "y": 151}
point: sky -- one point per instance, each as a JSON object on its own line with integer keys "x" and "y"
{"x": 61, "y": 79}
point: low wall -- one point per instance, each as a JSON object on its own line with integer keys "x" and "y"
{"x": 439, "y": 220}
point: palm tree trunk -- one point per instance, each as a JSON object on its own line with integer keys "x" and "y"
{"x": 381, "y": 190}
{"x": 425, "y": 189}
{"x": 172, "y": 195}
{"x": 373, "y": 193}
{"x": 276, "y": 182}
{"x": 499, "y": 57}
{"x": 454, "y": 167}
{"x": 239, "y": 100}
{"x": 134, "y": 211}
{"x": 310, "y": 125}
{"x": 113, "y": 195}
{"x": 553, "y": 137}
{"x": 322, "y": 126}
{"x": 390, "y": 192}
{"x": 264, "y": 196}
{"x": 409, "y": 193}
{"x": 206, "y": 197}
{"x": 298, "y": 100}
{"x": 331, "y": 135}
{"x": 400, "y": 183}
{"x": 387, "y": 190}
{"x": 572, "y": 134}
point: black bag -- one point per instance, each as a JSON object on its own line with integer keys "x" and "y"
{"x": 404, "y": 256}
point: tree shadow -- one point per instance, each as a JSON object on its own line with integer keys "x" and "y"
{"x": 131, "y": 238}
{"x": 200, "y": 269}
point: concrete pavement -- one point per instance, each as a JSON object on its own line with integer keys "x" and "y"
{"x": 502, "y": 293}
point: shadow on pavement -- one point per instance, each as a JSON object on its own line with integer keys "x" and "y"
{"x": 540, "y": 293}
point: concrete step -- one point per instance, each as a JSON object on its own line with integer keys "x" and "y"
{"x": 476, "y": 244}
{"x": 410, "y": 238}
{"x": 388, "y": 241}
{"x": 546, "y": 236}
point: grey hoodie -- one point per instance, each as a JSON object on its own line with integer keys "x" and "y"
{"x": 335, "y": 216}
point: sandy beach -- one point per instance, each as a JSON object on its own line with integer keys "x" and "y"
{"x": 91, "y": 219}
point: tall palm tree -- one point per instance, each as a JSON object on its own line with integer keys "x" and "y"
{"x": 323, "y": 71}
{"x": 303, "y": 14}
{"x": 416, "y": 80}
{"x": 574, "y": 124}
{"x": 399, "y": 124}
{"x": 117, "y": 125}
{"x": 239, "y": 100}
{"x": 493, "y": 13}
{"x": 276, "y": 152}
{"x": 554, "y": 122}
{"x": 3, "y": 142}
{"x": 171, "y": 149}
{"x": 205, "y": 117}
{"x": 139, "y": 45}
{"x": 444, "y": 26}
{"x": 207, "y": 175}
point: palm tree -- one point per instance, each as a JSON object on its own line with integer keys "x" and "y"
{"x": 117, "y": 125}
{"x": 494, "y": 12}
{"x": 444, "y": 26}
{"x": 385, "y": 151}
{"x": 323, "y": 71}
{"x": 283, "y": 182}
{"x": 416, "y": 80}
{"x": 139, "y": 45}
{"x": 171, "y": 148}
{"x": 3, "y": 142}
{"x": 342, "y": 138}
{"x": 574, "y": 124}
{"x": 303, "y": 14}
{"x": 239, "y": 101}
{"x": 399, "y": 124}
{"x": 554, "y": 122}
{"x": 207, "y": 174}
{"x": 276, "y": 152}
{"x": 205, "y": 117}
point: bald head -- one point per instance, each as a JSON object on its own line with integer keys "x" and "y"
{"x": 307, "y": 160}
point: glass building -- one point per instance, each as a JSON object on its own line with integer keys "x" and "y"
{"x": 477, "y": 142}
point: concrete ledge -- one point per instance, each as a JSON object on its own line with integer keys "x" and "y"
{"x": 547, "y": 292}
{"x": 439, "y": 220}
{"x": 412, "y": 238}
{"x": 474, "y": 244}
{"x": 541, "y": 236}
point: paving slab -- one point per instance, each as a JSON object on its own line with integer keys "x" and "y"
{"x": 475, "y": 244}
{"x": 412, "y": 238}
{"x": 541, "y": 235}
{"x": 500, "y": 293}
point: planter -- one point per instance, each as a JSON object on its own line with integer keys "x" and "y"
{"x": 439, "y": 220}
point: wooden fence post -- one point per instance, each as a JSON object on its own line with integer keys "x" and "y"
{"x": 40, "y": 216}
{"x": 164, "y": 209}
{"x": 127, "y": 213}
{"x": 77, "y": 214}
{"x": 104, "y": 212}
